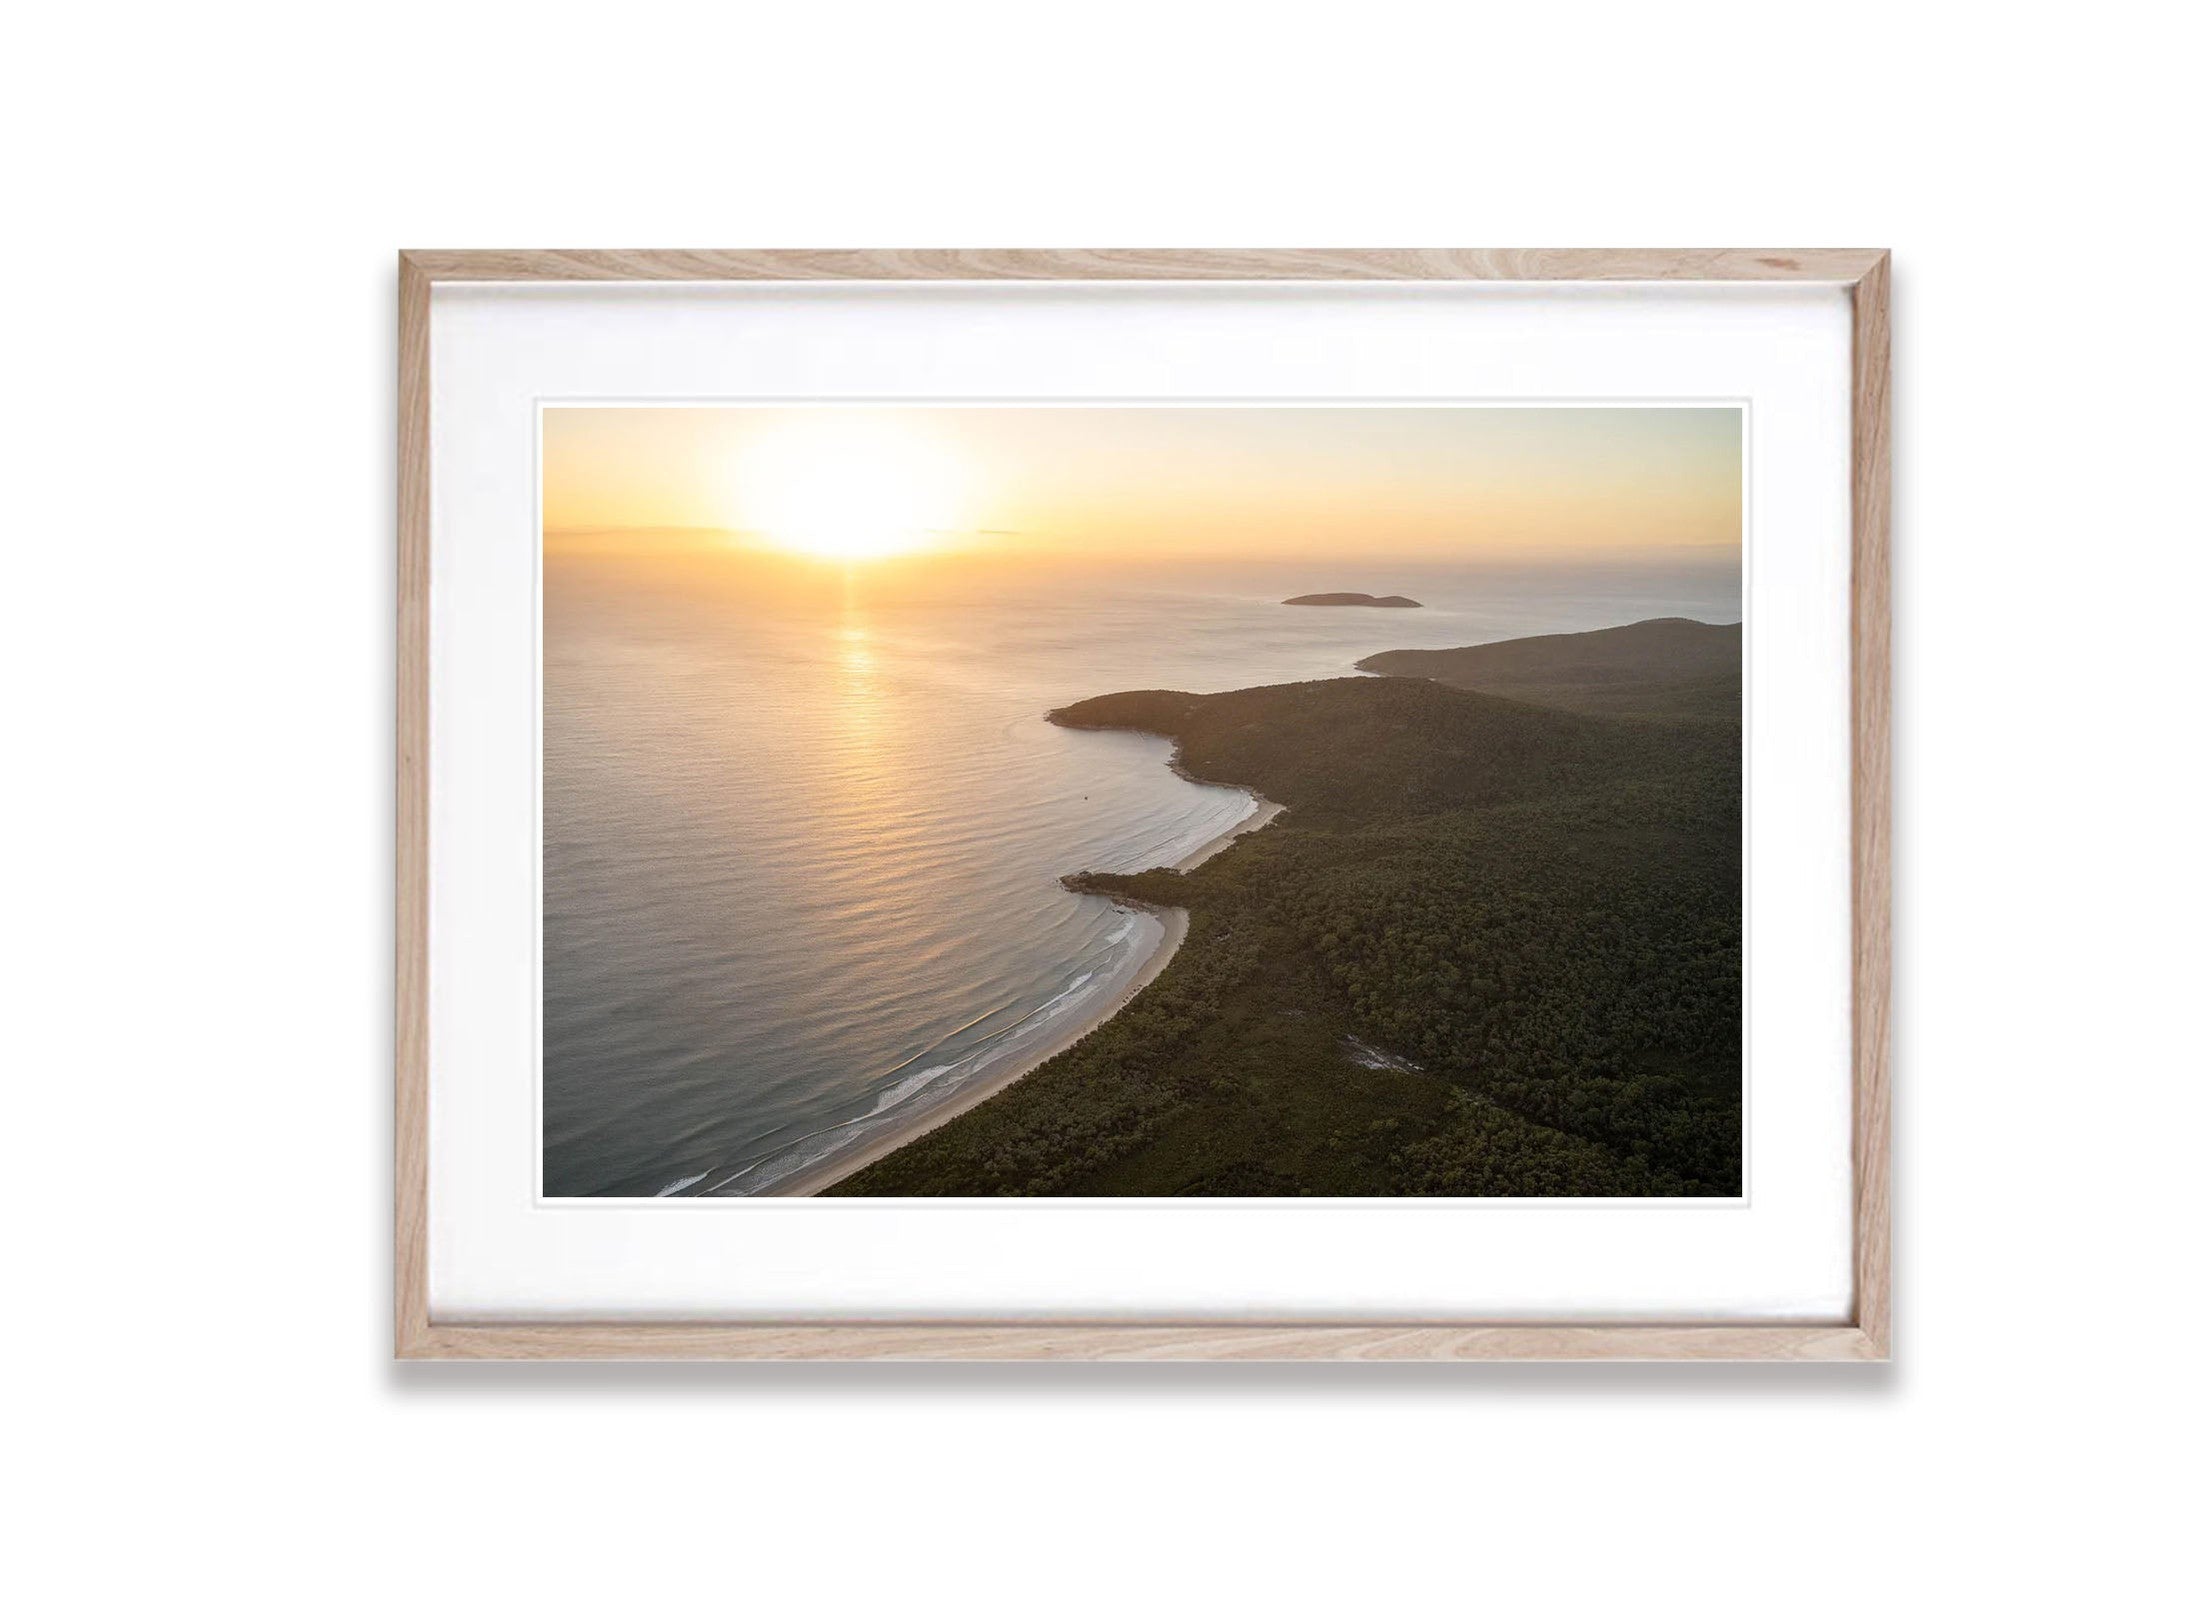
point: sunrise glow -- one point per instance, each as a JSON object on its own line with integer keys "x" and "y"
{"x": 848, "y": 485}
{"x": 844, "y": 488}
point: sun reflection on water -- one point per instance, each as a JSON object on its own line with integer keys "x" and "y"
{"x": 865, "y": 779}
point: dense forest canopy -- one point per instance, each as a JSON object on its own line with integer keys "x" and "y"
{"x": 1666, "y": 667}
{"x": 1492, "y": 947}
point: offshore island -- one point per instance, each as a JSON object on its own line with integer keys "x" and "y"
{"x": 1387, "y": 602}
{"x": 1488, "y": 943}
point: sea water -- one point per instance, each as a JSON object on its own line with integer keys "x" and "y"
{"x": 804, "y": 828}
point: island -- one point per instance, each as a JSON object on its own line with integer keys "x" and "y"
{"x": 1491, "y": 946}
{"x": 1385, "y": 601}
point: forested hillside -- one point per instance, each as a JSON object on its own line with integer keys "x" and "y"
{"x": 1666, "y": 667}
{"x": 1490, "y": 948}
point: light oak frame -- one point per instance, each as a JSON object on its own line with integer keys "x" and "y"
{"x": 1863, "y": 1336}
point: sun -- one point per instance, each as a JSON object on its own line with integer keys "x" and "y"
{"x": 846, "y": 488}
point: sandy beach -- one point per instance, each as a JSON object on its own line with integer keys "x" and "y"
{"x": 1175, "y": 923}
{"x": 1266, "y": 812}
{"x": 813, "y": 1180}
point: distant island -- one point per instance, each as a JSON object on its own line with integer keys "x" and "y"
{"x": 1388, "y": 601}
{"x": 1492, "y": 946}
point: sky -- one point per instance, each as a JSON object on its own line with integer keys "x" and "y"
{"x": 1403, "y": 482}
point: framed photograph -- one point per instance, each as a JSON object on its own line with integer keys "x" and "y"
{"x": 1250, "y": 804}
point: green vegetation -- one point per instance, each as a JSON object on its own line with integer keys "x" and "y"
{"x": 1668, "y": 667}
{"x": 1536, "y": 911}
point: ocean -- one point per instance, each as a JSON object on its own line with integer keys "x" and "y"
{"x": 804, "y": 828}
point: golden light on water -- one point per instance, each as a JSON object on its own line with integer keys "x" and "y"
{"x": 845, "y": 488}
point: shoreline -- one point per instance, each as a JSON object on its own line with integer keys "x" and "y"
{"x": 811, "y": 1181}
{"x": 1264, "y": 811}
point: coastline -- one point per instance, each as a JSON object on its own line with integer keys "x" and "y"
{"x": 1264, "y": 811}
{"x": 812, "y": 1181}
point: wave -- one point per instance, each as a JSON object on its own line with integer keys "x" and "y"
{"x": 909, "y": 1097}
{"x": 912, "y": 1085}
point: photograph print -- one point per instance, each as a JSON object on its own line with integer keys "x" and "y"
{"x": 1302, "y": 802}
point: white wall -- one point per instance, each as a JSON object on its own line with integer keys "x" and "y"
{"x": 197, "y": 603}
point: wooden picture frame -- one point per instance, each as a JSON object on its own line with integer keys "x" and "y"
{"x": 1862, "y": 1336}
